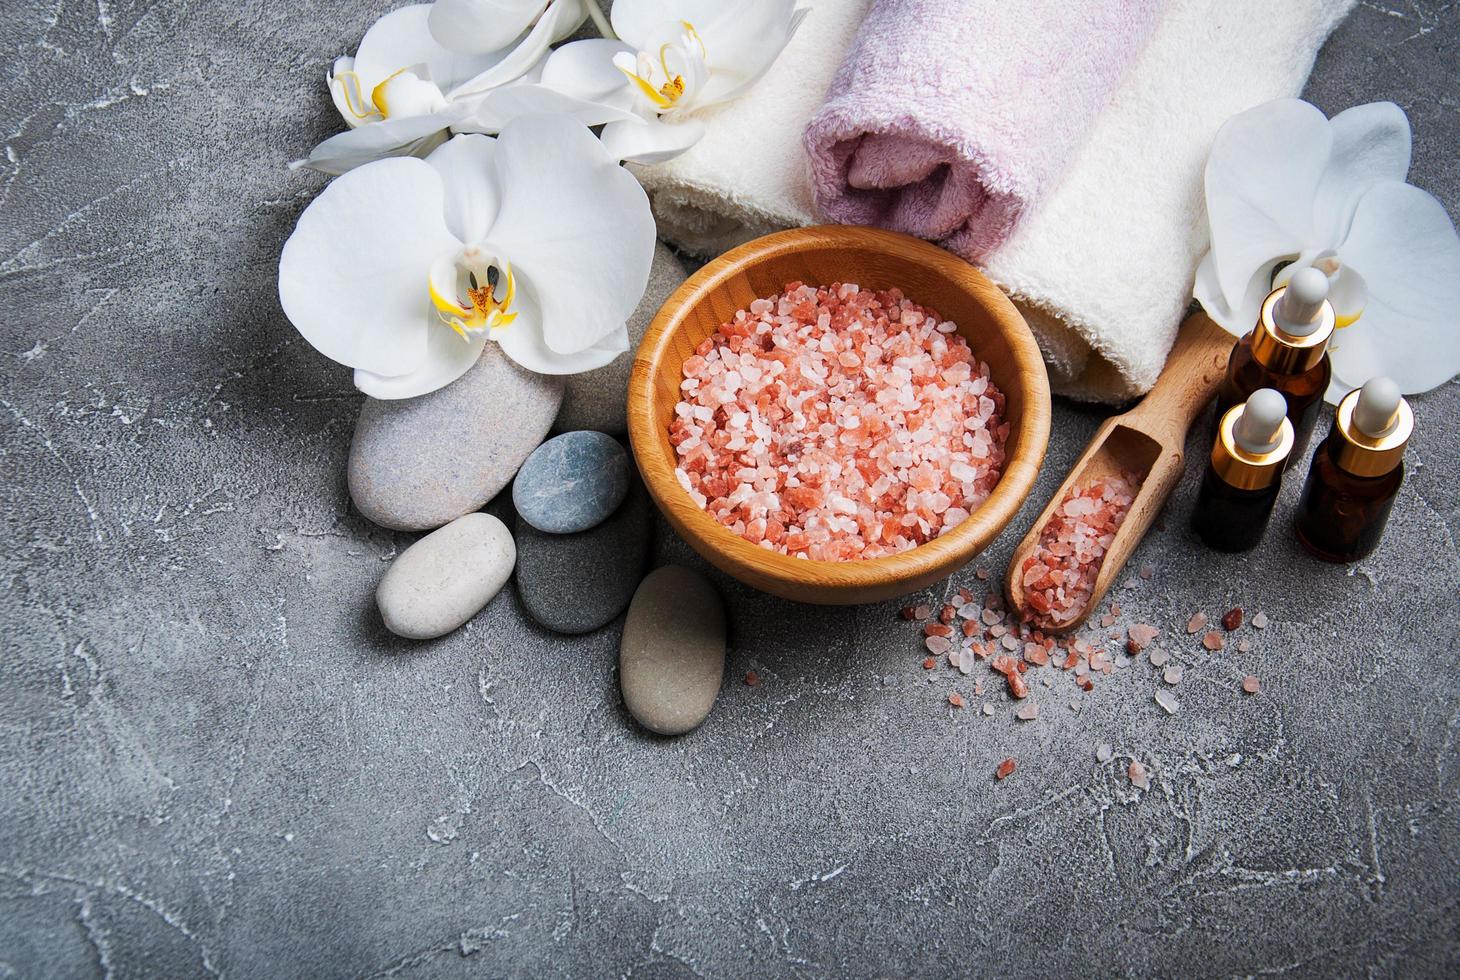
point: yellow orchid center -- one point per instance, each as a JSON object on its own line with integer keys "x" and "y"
{"x": 464, "y": 289}
{"x": 354, "y": 97}
{"x": 661, "y": 78}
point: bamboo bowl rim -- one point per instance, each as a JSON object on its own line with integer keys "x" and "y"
{"x": 840, "y": 582}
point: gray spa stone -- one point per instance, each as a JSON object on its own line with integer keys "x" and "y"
{"x": 576, "y": 583}
{"x": 672, "y": 655}
{"x": 418, "y": 463}
{"x": 596, "y": 399}
{"x": 446, "y": 577}
{"x": 571, "y": 482}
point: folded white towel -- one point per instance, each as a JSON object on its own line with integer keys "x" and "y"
{"x": 1103, "y": 269}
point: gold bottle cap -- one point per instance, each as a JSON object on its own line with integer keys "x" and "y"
{"x": 1253, "y": 441}
{"x": 1296, "y": 323}
{"x": 1373, "y": 426}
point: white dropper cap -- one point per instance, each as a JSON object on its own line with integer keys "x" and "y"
{"x": 1259, "y": 428}
{"x": 1376, "y": 413}
{"x": 1299, "y": 311}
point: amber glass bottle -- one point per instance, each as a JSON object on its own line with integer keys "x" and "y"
{"x": 1356, "y": 473}
{"x": 1287, "y": 351}
{"x": 1244, "y": 473}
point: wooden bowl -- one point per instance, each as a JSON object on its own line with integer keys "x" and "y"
{"x": 820, "y": 256}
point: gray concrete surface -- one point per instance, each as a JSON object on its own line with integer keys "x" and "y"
{"x": 214, "y": 760}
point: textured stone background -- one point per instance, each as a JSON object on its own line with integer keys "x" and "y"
{"x": 214, "y": 761}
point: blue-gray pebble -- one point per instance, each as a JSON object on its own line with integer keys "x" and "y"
{"x": 572, "y": 482}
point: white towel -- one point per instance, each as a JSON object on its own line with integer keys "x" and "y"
{"x": 1103, "y": 269}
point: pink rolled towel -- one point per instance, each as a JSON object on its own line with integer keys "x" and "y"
{"x": 949, "y": 119}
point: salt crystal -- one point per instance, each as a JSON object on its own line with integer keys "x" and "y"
{"x": 1104, "y": 753}
{"x": 988, "y": 710}
{"x": 1139, "y": 778}
{"x": 1197, "y": 622}
{"x": 956, "y": 699}
{"x": 1251, "y": 684}
{"x": 1159, "y": 658}
{"x": 1167, "y": 701}
{"x": 1260, "y": 621}
{"x": 1213, "y": 641}
{"x": 1234, "y": 760}
{"x": 1233, "y": 619}
{"x": 938, "y": 645}
{"x": 1244, "y": 645}
{"x": 1027, "y": 712}
{"x": 1141, "y": 635}
{"x": 1005, "y": 769}
{"x": 1172, "y": 675}
{"x": 1147, "y": 571}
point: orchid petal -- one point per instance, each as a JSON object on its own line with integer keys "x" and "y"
{"x": 522, "y": 341}
{"x": 560, "y": 19}
{"x": 1370, "y": 143}
{"x": 377, "y": 140}
{"x": 448, "y": 356}
{"x": 350, "y": 100}
{"x": 743, "y": 42}
{"x": 636, "y": 20}
{"x": 1260, "y": 178}
{"x": 1404, "y": 246}
{"x": 352, "y": 275}
{"x": 576, "y": 227}
{"x": 402, "y": 38}
{"x": 501, "y": 105}
{"x": 481, "y": 26}
{"x": 585, "y": 70}
{"x": 468, "y": 177}
{"x": 1235, "y": 318}
{"x": 650, "y": 140}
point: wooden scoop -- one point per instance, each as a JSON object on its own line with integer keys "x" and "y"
{"x": 1147, "y": 441}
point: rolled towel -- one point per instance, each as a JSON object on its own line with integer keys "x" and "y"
{"x": 950, "y": 119}
{"x": 1103, "y": 269}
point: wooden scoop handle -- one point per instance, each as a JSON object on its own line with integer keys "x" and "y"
{"x": 1194, "y": 371}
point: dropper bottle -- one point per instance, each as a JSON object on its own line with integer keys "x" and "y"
{"x": 1244, "y": 473}
{"x": 1356, "y": 473}
{"x": 1286, "y": 350}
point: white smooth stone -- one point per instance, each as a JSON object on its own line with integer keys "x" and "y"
{"x": 447, "y": 577}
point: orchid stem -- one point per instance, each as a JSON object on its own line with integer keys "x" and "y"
{"x": 599, "y": 20}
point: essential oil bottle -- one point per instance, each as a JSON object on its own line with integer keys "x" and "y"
{"x": 1356, "y": 473}
{"x": 1244, "y": 473}
{"x": 1287, "y": 350}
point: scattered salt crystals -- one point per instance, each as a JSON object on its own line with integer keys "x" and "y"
{"x": 1251, "y": 684}
{"x": 1159, "y": 657}
{"x": 988, "y": 710}
{"x": 938, "y": 645}
{"x": 1139, "y": 778}
{"x": 1104, "y": 753}
{"x": 956, "y": 699}
{"x": 838, "y": 424}
{"x": 1213, "y": 641}
{"x": 1005, "y": 768}
{"x": 1244, "y": 645}
{"x": 1059, "y": 577}
{"x": 1027, "y": 712}
{"x": 1197, "y": 622}
{"x": 1140, "y": 636}
{"x": 1172, "y": 675}
{"x": 1167, "y": 701}
{"x": 1233, "y": 619}
{"x": 1260, "y": 621}
{"x": 992, "y": 617}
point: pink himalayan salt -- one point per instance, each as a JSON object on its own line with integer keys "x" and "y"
{"x": 837, "y": 423}
{"x": 1060, "y": 576}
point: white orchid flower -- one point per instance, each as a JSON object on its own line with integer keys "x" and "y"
{"x": 403, "y": 269}
{"x": 404, "y": 91}
{"x": 1286, "y": 185}
{"x": 672, "y": 58}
